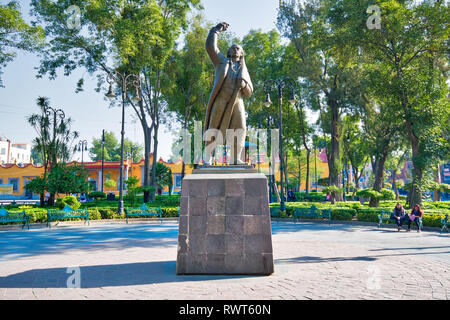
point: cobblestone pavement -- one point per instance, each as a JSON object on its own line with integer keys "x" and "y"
{"x": 137, "y": 261}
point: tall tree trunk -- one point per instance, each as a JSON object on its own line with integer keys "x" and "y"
{"x": 147, "y": 150}
{"x": 155, "y": 160}
{"x": 437, "y": 179}
{"x": 308, "y": 152}
{"x": 394, "y": 185}
{"x": 416, "y": 188}
{"x": 333, "y": 163}
{"x": 379, "y": 174}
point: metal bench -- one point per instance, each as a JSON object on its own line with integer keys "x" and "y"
{"x": 275, "y": 212}
{"x": 445, "y": 223}
{"x": 385, "y": 216}
{"x": 144, "y": 211}
{"x": 6, "y": 217}
{"x": 65, "y": 214}
{"x": 313, "y": 213}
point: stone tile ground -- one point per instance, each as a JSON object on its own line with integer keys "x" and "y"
{"x": 138, "y": 261}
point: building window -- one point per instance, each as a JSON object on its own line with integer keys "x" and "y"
{"x": 1, "y": 181}
{"x": 3, "y": 151}
{"x": 15, "y": 183}
{"x": 177, "y": 181}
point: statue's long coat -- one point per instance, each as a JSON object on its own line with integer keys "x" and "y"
{"x": 221, "y": 65}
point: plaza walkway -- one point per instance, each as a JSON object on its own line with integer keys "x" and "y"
{"x": 137, "y": 261}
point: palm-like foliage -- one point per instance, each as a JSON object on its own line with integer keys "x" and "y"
{"x": 54, "y": 136}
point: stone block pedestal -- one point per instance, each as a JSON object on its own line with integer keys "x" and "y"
{"x": 224, "y": 225}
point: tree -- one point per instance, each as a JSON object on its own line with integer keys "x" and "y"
{"x": 16, "y": 34}
{"x": 136, "y": 36}
{"x": 394, "y": 164}
{"x": 411, "y": 52}
{"x": 327, "y": 66}
{"x": 163, "y": 177}
{"x": 187, "y": 79}
{"x": 112, "y": 148}
{"x": 54, "y": 139}
{"x": 62, "y": 178}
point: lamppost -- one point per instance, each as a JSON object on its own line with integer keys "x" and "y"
{"x": 124, "y": 81}
{"x": 82, "y": 146}
{"x": 103, "y": 156}
{"x": 280, "y": 84}
{"x": 57, "y": 113}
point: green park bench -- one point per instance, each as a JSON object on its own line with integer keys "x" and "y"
{"x": 445, "y": 223}
{"x": 6, "y": 217}
{"x": 312, "y": 213}
{"x": 275, "y": 212}
{"x": 66, "y": 213}
{"x": 385, "y": 216}
{"x": 144, "y": 211}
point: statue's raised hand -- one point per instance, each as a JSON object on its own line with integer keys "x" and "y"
{"x": 222, "y": 26}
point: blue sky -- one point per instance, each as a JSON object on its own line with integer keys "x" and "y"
{"x": 89, "y": 110}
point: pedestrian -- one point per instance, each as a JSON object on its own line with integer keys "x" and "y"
{"x": 398, "y": 215}
{"x": 416, "y": 213}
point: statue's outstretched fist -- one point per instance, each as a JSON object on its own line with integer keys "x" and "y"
{"x": 222, "y": 26}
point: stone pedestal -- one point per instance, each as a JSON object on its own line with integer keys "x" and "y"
{"x": 225, "y": 224}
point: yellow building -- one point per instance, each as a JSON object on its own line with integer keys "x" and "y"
{"x": 13, "y": 177}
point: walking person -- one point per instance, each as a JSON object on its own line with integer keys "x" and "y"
{"x": 398, "y": 215}
{"x": 416, "y": 213}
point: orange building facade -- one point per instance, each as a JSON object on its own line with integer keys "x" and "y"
{"x": 13, "y": 177}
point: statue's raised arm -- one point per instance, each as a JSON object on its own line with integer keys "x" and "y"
{"x": 211, "y": 42}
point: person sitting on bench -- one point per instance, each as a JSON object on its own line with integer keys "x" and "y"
{"x": 291, "y": 196}
{"x": 416, "y": 213}
{"x": 398, "y": 215}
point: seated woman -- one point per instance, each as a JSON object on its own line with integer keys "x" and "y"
{"x": 398, "y": 215}
{"x": 416, "y": 213}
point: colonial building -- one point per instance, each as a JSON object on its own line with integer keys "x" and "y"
{"x": 14, "y": 177}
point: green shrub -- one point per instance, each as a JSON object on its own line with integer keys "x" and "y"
{"x": 107, "y": 213}
{"x": 387, "y": 194}
{"x": 368, "y": 216}
{"x": 169, "y": 212}
{"x": 342, "y": 214}
{"x": 94, "y": 214}
{"x": 71, "y": 201}
{"x": 97, "y": 195}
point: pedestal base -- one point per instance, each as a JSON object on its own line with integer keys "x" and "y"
{"x": 225, "y": 225}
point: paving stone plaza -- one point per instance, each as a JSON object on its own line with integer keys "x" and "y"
{"x": 138, "y": 261}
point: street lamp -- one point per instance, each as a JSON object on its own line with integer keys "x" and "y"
{"x": 82, "y": 146}
{"x": 57, "y": 113}
{"x": 103, "y": 155}
{"x": 124, "y": 81}
{"x": 280, "y": 84}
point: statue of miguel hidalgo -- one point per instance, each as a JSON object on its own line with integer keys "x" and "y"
{"x": 231, "y": 83}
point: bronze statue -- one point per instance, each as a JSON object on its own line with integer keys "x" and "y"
{"x": 231, "y": 83}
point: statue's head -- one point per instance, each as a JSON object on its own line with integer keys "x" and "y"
{"x": 236, "y": 52}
